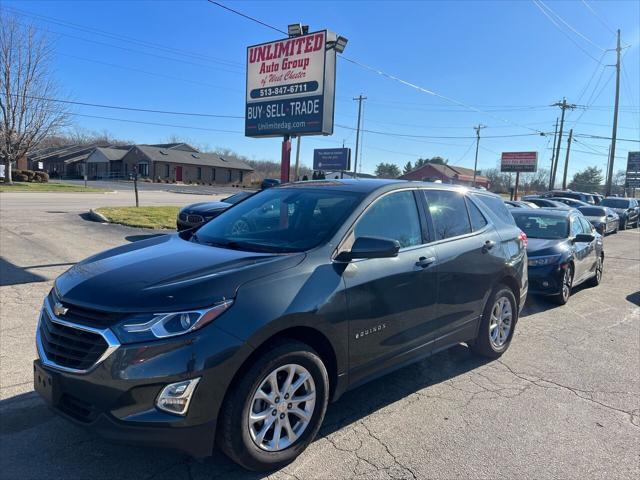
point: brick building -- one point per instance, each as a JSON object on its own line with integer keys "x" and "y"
{"x": 446, "y": 174}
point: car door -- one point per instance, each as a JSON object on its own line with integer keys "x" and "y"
{"x": 591, "y": 256}
{"x": 470, "y": 259}
{"x": 391, "y": 301}
{"x": 581, "y": 250}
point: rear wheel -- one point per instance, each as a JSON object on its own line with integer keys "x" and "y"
{"x": 498, "y": 324}
{"x": 565, "y": 289}
{"x": 597, "y": 277}
{"x": 272, "y": 414}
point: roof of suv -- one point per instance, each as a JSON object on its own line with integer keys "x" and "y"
{"x": 551, "y": 212}
{"x": 368, "y": 185}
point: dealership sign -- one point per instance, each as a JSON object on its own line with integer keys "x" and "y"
{"x": 290, "y": 86}
{"x": 519, "y": 162}
{"x": 338, "y": 159}
{"x": 633, "y": 170}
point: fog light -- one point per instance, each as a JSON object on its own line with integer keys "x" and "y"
{"x": 545, "y": 284}
{"x": 175, "y": 397}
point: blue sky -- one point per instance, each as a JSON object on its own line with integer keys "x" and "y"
{"x": 505, "y": 58}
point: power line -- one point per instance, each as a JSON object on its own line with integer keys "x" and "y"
{"x": 553, "y": 21}
{"x": 385, "y": 74}
{"x": 133, "y": 109}
{"x": 392, "y": 134}
{"x": 584, "y": 37}
{"x": 599, "y": 17}
{"x": 125, "y": 38}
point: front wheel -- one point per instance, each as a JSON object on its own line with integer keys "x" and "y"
{"x": 565, "y": 289}
{"x": 597, "y": 276}
{"x": 275, "y": 410}
{"x": 498, "y": 324}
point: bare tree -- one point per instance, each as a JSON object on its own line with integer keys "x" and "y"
{"x": 26, "y": 90}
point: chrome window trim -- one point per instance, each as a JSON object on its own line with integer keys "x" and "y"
{"x": 108, "y": 336}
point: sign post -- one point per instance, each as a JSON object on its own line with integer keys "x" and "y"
{"x": 518, "y": 162}
{"x": 291, "y": 89}
{"x": 632, "y": 178}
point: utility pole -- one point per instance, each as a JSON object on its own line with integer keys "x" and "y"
{"x": 553, "y": 152}
{"x": 297, "y": 169}
{"x": 566, "y": 161}
{"x": 563, "y": 106}
{"x": 612, "y": 155}
{"x": 359, "y": 98}
{"x": 475, "y": 164}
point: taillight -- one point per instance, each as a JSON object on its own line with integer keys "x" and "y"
{"x": 523, "y": 239}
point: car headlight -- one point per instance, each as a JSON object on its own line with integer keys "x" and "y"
{"x": 140, "y": 328}
{"x": 541, "y": 261}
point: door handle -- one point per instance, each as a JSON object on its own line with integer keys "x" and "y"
{"x": 424, "y": 262}
{"x": 488, "y": 245}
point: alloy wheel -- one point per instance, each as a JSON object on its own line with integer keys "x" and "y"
{"x": 599, "y": 269}
{"x": 567, "y": 280}
{"x": 500, "y": 322}
{"x": 282, "y": 407}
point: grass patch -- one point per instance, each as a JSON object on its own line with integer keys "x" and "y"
{"x": 47, "y": 187}
{"x": 143, "y": 217}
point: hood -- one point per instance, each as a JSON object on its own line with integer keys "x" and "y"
{"x": 619, "y": 211}
{"x": 538, "y": 247}
{"x": 205, "y": 207}
{"x": 596, "y": 219}
{"x": 163, "y": 274}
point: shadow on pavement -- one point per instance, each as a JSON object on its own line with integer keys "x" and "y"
{"x": 29, "y": 426}
{"x": 11, "y": 274}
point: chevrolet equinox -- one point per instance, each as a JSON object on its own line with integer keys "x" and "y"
{"x": 239, "y": 334}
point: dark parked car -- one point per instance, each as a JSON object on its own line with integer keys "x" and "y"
{"x": 603, "y": 219}
{"x": 571, "y": 202}
{"x": 519, "y": 204}
{"x": 197, "y": 214}
{"x": 626, "y": 208}
{"x": 268, "y": 183}
{"x": 583, "y": 197}
{"x": 564, "y": 250}
{"x": 546, "y": 202}
{"x": 239, "y": 337}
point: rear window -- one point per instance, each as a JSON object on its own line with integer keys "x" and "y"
{"x": 592, "y": 211}
{"x": 542, "y": 226}
{"x": 615, "y": 203}
{"x": 497, "y": 206}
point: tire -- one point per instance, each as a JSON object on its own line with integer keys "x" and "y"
{"x": 563, "y": 297}
{"x": 485, "y": 344}
{"x": 616, "y": 229}
{"x": 236, "y": 433}
{"x": 597, "y": 278}
{"x": 623, "y": 225}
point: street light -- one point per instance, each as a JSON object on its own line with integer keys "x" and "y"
{"x": 339, "y": 44}
{"x": 297, "y": 29}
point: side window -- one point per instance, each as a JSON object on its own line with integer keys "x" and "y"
{"x": 448, "y": 212}
{"x": 496, "y": 205}
{"x": 586, "y": 226}
{"x": 576, "y": 227}
{"x": 394, "y": 216}
{"x": 477, "y": 219}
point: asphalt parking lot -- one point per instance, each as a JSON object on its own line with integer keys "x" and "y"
{"x": 563, "y": 402}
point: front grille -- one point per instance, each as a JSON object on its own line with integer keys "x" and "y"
{"x": 76, "y": 408}
{"x": 85, "y": 316}
{"x": 70, "y": 347}
{"x": 195, "y": 219}
{"x": 183, "y": 217}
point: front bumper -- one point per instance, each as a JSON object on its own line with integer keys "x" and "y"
{"x": 545, "y": 280}
{"x": 116, "y": 399}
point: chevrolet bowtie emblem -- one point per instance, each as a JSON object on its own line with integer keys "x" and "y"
{"x": 59, "y": 309}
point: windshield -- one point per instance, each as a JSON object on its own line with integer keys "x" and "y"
{"x": 280, "y": 220}
{"x": 542, "y": 226}
{"x": 615, "y": 203}
{"x": 593, "y": 212}
{"x": 235, "y": 198}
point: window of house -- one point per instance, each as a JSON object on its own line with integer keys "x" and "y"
{"x": 394, "y": 216}
{"x": 448, "y": 213}
{"x": 143, "y": 169}
{"x": 230, "y": 174}
{"x": 213, "y": 174}
{"x": 199, "y": 173}
{"x": 166, "y": 170}
{"x": 241, "y": 172}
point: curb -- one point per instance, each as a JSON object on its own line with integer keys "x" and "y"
{"x": 97, "y": 217}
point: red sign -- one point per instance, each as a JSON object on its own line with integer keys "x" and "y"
{"x": 519, "y": 162}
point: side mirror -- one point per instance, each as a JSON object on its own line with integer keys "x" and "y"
{"x": 584, "y": 238}
{"x": 370, "y": 247}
